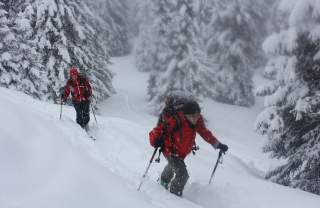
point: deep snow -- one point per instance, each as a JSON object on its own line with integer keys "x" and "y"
{"x": 47, "y": 162}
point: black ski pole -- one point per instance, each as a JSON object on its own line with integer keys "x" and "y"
{"x": 94, "y": 114}
{"x": 219, "y": 160}
{"x": 145, "y": 173}
{"x": 60, "y": 107}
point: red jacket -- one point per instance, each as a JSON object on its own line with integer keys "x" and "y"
{"x": 177, "y": 146}
{"x": 80, "y": 90}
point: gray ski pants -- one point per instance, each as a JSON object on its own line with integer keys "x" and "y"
{"x": 176, "y": 173}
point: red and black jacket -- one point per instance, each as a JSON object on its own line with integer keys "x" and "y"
{"x": 179, "y": 142}
{"x": 80, "y": 90}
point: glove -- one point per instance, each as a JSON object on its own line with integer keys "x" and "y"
{"x": 64, "y": 99}
{"x": 158, "y": 143}
{"x": 223, "y": 147}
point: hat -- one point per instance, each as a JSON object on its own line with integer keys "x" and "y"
{"x": 73, "y": 71}
{"x": 191, "y": 107}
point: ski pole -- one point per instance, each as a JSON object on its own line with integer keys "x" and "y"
{"x": 60, "y": 107}
{"x": 219, "y": 160}
{"x": 94, "y": 115}
{"x": 145, "y": 173}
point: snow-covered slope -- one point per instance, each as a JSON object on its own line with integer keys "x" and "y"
{"x": 47, "y": 162}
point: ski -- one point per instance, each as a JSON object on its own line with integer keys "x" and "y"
{"x": 92, "y": 137}
{"x": 88, "y": 133}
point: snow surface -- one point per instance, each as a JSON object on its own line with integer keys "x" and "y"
{"x": 52, "y": 163}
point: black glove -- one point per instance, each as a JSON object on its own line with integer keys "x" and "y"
{"x": 222, "y": 147}
{"x": 158, "y": 143}
{"x": 62, "y": 90}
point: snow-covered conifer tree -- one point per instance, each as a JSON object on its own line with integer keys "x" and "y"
{"x": 291, "y": 118}
{"x": 116, "y": 19}
{"x": 277, "y": 22}
{"x": 173, "y": 56}
{"x": 8, "y": 75}
{"x": 233, "y": 44}
{"x": 145, "y": 46}
{"x": 139, "y": 11}
{"x": 146, "y": 43}
{"x": 67, "y": 33}
{"x": 19, "y": 63}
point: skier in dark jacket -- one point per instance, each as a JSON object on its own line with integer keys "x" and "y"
{"x": 81, "y": 93}
{"x": 176, "y": 144}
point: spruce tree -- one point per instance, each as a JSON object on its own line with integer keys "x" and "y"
{"x": 233, "y": 44}
{"x": 291, "y": 119}
{"x": 6, "y": 36}
{"x": 19, "y": 62}
{"x": 173, "y": 55}
{"x": 276, "y": 23}
{"x": 138, "y": 12}
{"x": 115, "y": 18}
{"x": 146, "y": 44}
{"x": 66, "y": 33}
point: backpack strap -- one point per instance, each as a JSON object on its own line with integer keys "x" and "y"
{"x": 164, "y": 132}
{"x": 178, "y": 127}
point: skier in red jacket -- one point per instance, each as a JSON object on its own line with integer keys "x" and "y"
{"x": 177, "y": 143}
{"x": 81, "y": 93}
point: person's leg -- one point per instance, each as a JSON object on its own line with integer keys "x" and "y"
{"x": 77, "y": 107}
{"x": 86, "y": 113}
{"x": 181, "y": 175}
{"x": 166, "y": 176}
{"x": 81, "y": 109}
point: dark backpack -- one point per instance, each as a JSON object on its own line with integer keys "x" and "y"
{"x": 174, "y": 103}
